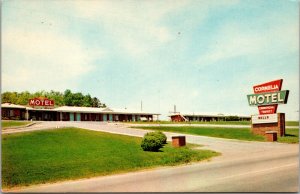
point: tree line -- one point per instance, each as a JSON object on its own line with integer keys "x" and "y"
{"x": 67, "y": 98}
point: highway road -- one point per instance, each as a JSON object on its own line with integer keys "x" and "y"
{"x": 243, "y": 167}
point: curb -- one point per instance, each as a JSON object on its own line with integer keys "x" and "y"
{"x": 17, "y": 127}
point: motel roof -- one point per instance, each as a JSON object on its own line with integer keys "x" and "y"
{"x": 100, "y": 110}
{"x": 131, "y": 111}
{"x": 9, "y": 105}
{"x": 197, "y": 114}
{"x": 81, "y": 109}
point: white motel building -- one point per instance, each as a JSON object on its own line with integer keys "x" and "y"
{"x": 70, "y": 113}
{"x": 206, "y": 117}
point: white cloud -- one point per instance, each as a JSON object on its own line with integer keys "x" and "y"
{"x": 136, "y": 26}
{"x": 140, "y": 27}
{"x": 40, "y": 59}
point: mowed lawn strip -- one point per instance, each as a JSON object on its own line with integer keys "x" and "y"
{"x": 288, "y": 123}
{"x": 6, "y": 124}
{"x": 292, "y": 123}
{"x": 72, "y": 153}
{"x": 193, "y": 122}
{"x": 228, "y": 133}
{"x": 291, "y": 135}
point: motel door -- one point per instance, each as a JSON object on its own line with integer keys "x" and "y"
{"x": 111, "y": 117}
{"x": 71, "y": 116}
{"x": 78, "y": 117}
{"x": 105, "y": 117}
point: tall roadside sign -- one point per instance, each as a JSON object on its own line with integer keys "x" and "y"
{"x": 266, "y": 97}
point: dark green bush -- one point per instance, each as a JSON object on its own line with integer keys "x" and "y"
{"x": 151, "y": 143}
{"x": 160, "y": 135}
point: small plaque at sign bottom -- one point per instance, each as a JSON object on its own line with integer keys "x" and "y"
{"x": 267, "y": 118}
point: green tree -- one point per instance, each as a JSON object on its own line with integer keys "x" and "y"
{"x": 102, "y": 105}
{"x": 23, "y": 98}
{"x": 57, "y": 97}
{"x": 67, "y": 98}
{"x": 9, "y": 97}
{"x": 95, "y": 102}
{"x": 77, "y": 99}
{"x": 87, "y": 101}
{"x": 41, "y": 93}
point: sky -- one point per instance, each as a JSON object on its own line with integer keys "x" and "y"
{"x": 204, "y": 56}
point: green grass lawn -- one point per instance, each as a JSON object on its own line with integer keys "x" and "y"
{"x": 229, "y": 133}
{"x": 222, "y": 122}
{"x": 292, "y": 135}
{"x": 72, "y": 153}
{"x": 6, "y": 124}
{"x": 193, "y": 122}
{"x": 292, "y": 123}
{"x": 288, "y": 123}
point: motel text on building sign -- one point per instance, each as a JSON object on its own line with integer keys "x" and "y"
{"x": 41, "y": 102}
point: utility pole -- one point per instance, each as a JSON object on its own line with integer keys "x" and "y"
{"x": 141, "y": 106}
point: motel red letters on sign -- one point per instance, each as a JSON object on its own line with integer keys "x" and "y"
{"x": 41, "y": 102}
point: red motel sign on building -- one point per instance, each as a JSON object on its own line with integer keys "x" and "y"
{"x": 44, "y": 102}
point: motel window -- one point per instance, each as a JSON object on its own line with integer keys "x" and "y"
{"x": 17, "y": 112}
{"x": 65, "y": 116}
{"x": 11, "y": 113}
{"x": 5, "y": 113}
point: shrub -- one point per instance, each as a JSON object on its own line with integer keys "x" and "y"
{"x": 160, "y": 135}
{"x": 151, "y": 143}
